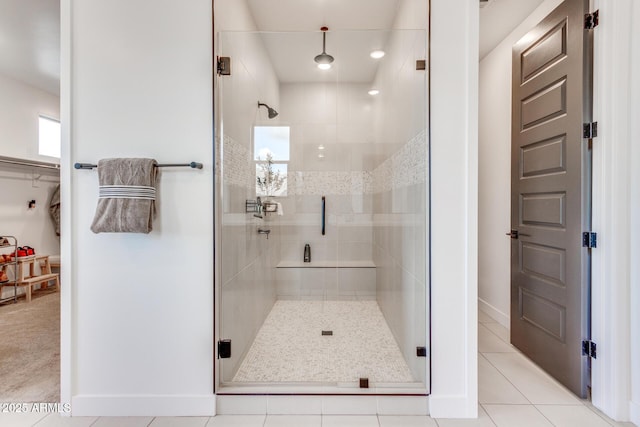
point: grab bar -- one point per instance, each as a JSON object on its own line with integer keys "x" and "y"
{"x": 323, "y": 214}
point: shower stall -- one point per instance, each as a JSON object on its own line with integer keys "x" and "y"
{"x": 322, "y": 204}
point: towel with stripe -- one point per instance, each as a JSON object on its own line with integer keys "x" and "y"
{"x": 127, "y": 194}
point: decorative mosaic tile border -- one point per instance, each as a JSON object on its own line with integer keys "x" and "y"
{"x": 329, "y": 182}
{"x": 237, "y": 165}
{"x": 408, "y": 166}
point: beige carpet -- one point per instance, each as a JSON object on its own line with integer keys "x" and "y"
{"x": 30, "y": 349}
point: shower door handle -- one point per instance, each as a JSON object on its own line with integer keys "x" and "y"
{"x": 323, "y": 214}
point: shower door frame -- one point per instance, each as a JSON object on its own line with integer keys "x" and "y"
{"x": 217, "y": 299}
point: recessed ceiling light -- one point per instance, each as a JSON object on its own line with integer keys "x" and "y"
{"x": 377, "y": 54}
{"x": 321, "y": 156}
{"x": 374, "y": 92}
{"x": 324, "y": 66}
{"x": 320, "y": 147}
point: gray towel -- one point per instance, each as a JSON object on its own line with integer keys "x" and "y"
{"x": 126, "y": 202}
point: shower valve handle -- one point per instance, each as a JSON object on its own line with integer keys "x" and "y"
{"x": 263, "y": 231}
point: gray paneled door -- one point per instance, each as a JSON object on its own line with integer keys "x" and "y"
{"x": 550, "y": 194}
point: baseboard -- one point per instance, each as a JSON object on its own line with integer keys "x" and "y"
{"x": 494, "y": 313}
{"x": 634, "y": 413}
{"x": 322, "y": 405}
{"x": 452, "y": 407}
{"x": 143, "y": 405}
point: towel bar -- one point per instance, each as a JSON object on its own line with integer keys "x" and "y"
{"x": 193, "y": 165}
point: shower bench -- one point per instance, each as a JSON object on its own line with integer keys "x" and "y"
{"x": 326, "y": 264}
{"x": 331, "y": 279}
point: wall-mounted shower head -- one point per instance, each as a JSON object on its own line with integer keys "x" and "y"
{"x": 272, "y": 112}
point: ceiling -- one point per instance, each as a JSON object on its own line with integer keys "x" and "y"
{"x": 293, "y": 38}
{"x": 292, "y": 53}
{"x": 310, "y": 15}
{"x": 30, "y": 42}
{"x": 498, "y": 18}
{"x": 30, "y": 35}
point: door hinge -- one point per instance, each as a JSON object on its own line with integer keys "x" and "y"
{"x": 591, "y": 20}
{"x": 590, "y": 130}
{"x": 421, "y": 351}
{"x": 224, "y": 349}
{"x": 589, "y": 239}
{"x": 589, "y": 349}
{"x": 224, "y": 66}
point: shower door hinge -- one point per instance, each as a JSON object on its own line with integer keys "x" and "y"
{"x": 224, "y": 65}
{"x": 421, "y": 64}
{"x": 591, "y": 20}
{"x": 224, "y": 349}
{"x": 589, "y": 239}
{"x": 589, "y": 349}
{"x": 421, "y": 351}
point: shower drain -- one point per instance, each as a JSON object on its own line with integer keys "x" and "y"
{"x": 327, "y": 332}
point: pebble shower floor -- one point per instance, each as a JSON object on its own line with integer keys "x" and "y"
{"x": 290, "y": 346}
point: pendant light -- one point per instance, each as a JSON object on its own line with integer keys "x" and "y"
{"x": 324, "y": 60}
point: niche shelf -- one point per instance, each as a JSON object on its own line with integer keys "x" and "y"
{"x": 326, "y": 264}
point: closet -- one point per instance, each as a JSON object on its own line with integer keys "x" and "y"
{"x": 29, "y": 243}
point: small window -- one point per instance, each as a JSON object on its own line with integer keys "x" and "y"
{"x": 271, "y": 155}
{"x": 49, "y": 137}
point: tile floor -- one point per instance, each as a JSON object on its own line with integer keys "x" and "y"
{"x": 513, "y": 392}
{"x": 290, "y": 347}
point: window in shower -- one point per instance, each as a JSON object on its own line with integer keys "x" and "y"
{"x": 271, "y": 155}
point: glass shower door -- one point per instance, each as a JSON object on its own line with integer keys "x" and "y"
{"x": 329, "y": 163}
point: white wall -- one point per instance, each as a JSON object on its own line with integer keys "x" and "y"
{"x": 634, "y": 253}
{"x": 454, "y": 208}
{"x": 616, "y": 217}
{"x": 494, "y": 177}
{"x": 20, "y": 106}
{"x": 137, "y": 82}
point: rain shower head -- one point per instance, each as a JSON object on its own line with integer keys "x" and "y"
{"x": 272, "y": 112}
{"x": 324, "y": 60}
